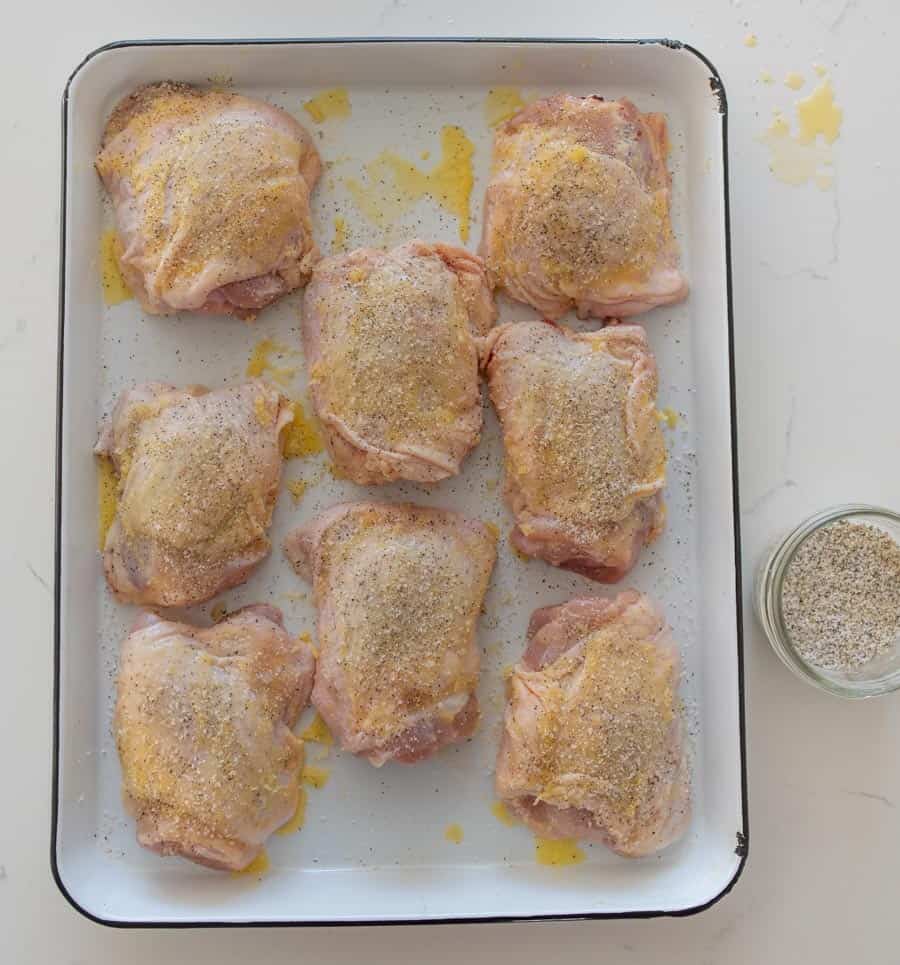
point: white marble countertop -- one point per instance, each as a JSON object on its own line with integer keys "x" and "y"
{"x": 817, "y": 352}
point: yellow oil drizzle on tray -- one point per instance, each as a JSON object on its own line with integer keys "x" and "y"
{"x": 107, "y": 497}
{"x": 297, "y": 488}
{"x": 502, "y": 814}
{"x": 339, "y": 242}
{"x": 299, "y": 816}
{"x": 316, "y": 777}
{"x": 261, "y": 361}
{"x": 258, "y": 866}
{"x": 794, "y": 80}
{"x": 453, "y": 833}
{"x": 307, "y": 639}
{"x": 766, "y": 77}
{"x": 328, "y": 104}
{"x": 751, "y": 40}
{"x": 807, "y": 155}
{"x": 501, "y": 103}
{"x": 318, "y": 731}
{"x": 524, "y": 557}
{"x": 557, "y": 854}
{"x": 668, "y": 416}
{"x": 301, "y": 436}
{"x": 115, "y": 288}
{"x": 393, "y": 184}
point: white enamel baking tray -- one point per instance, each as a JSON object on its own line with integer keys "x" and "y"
{"x": 373, "y": 846}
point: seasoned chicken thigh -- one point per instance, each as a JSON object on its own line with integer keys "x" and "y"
{"x": 399, "y": 589}
{"x": 592, "y": 745}
{"x": 211, "y": 198}
{"x": 577, "y": 209}
{"x": 198, "y": 475}
{"x": 203, "y": 722}
{"x": 585, "y": 458}
{"x": 392, "y": 340}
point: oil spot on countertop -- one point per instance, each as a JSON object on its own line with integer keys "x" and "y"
{"x": 818, "y": 114}
{"x": 804, "y": 155}
{"x": 751, "y": 40}
{"x": 453, "y": 833}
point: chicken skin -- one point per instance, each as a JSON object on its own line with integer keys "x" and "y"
{"x": 585, "y": 457}
{"x": 198, "y": 476}
{"x": 211, "y": 197}
{"x": 398, "y": 590}
{"x": 577, "y": 209}
{"x": 392, "y": 341}
{"x": 592, "y": 745}
{"x": 203, "y": 723}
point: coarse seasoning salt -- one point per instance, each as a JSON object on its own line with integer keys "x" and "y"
{"x": 840, "y": 598}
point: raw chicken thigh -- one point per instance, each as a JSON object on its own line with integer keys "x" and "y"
{"x": 577, "y": 209}
{"x": 211, "y": 198}
{"x": 592, "y": 745}
{"x": 203, "y": 722}
{"x": 585, "y": 457}
{"x": 399, "y": 589}
{"x": 198, "y": 475}
{"x": 392, "y": 340}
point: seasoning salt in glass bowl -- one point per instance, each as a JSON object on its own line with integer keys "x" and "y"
{"x": 828, "y": 598}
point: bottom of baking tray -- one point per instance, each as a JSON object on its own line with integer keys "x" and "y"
{"x": 379, "y": 845}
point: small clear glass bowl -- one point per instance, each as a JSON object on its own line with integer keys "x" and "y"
{"x": 880, "y": 676}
